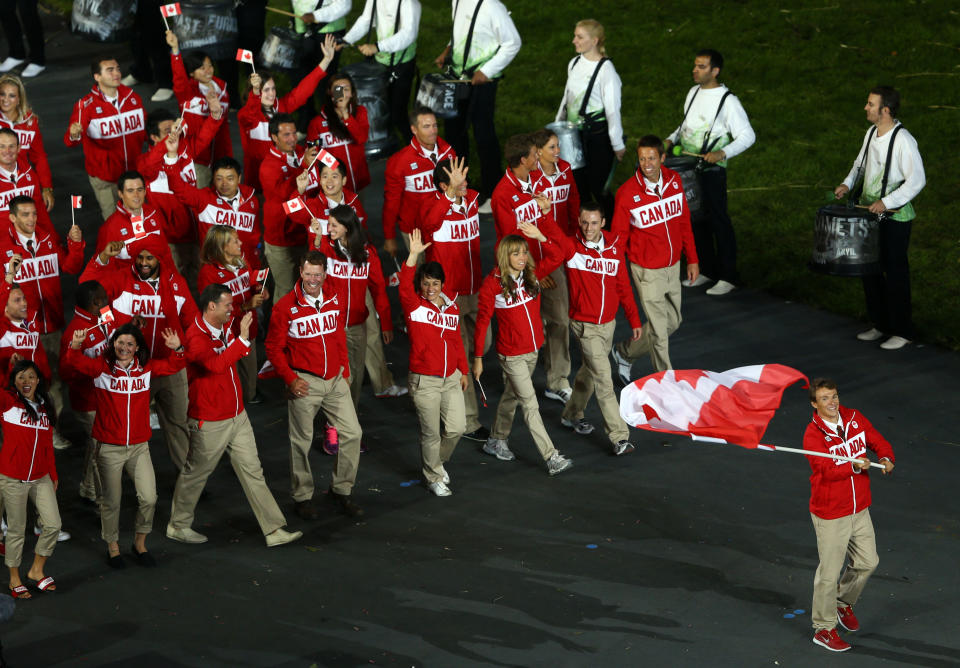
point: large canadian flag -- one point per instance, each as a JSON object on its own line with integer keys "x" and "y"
{"x": 733, "y": 406}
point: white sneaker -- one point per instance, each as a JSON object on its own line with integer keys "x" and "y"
{"x": 10, "y": 63}
{"x": 872, "y": 334}
{"x": 446, "y": 476}
{"x": 391, "y": 392}
{"x": 894, "y": 343}
{"x": 162, "y": 95}
{"x": 563, "y": 396}
{"x": 154, "y": 421}
{"x": 499, "y": 449}
{"x": 721, "y": 288}
{"x": 63, "y": 536}
{"x": 581, "y": 426}
{"x": 282, "y": 537}
{"x": 3, "y": 527}
{"x": 701, "y": 280}
{"x": 486, "y": 208}
{"x": 439, "y": 489}
{"x": 558, "y": 464}
{"x": 623, "y": 365}
{"x": 129, "y": 80}
{"x": 32, "y": 70}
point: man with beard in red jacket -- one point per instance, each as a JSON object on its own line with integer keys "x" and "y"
{"x": 840, "y": 510}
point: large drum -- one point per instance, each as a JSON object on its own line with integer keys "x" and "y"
{"x": 686, "y": 167}
{"x": 571, "y": 146}
{"x": 439, "y": 97}
{"x": 281, "y": 50}
{"x": 210, "y": 26}
{"x": 103, "y": 20}
{"x": 370, "y": 82}
{"x": 846, "y": 242}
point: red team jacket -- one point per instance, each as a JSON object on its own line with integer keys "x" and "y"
{"x": 436, "y": 347}
{"x": 513, "y": 204}
{"x": 39, "y": 274}
{"x": 194, "y": 110}
{"x": 598, "y": 281}
{"x": 112, "y": 135}
{"x": 454, "y": 234}
{"x": 836, "y": 488}
{"x": 215, "y": 392}
{"x": 657, "y": 226}
{"x": 304, "y": 338}
{"x": 241, "y": 282}
{"x": 350, "y": 280}
{"x": 21, "y": 338}
{"x": 562, "y": 190}
{"x": 24, "y": 181}
{"x": 320, "y": 206}
{"x": 122, "y": 395}
{"x": 350, "y": 152}
{"x": 149, "y": 232}
{"x": 31, "y": 145}
{"x": 82, "y": 398}
{"x": 408, "y": 182}
{"x": 278, "y": 178}
{"x": 27, "y": 452}
{"x": 519, "y": 325}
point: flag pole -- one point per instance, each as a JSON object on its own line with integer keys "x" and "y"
{"x": 780, "y": 448}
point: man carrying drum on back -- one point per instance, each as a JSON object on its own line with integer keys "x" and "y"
{"x": 892, "y": 175}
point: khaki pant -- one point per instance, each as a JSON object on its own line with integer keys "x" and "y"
{"x": 51, "y": 346}
{"x": 356, "y": 354}
{"x": 467, "y": 305}
{"x": 659, "y": 291}
{"x": 207, "y": 445}
{"x": 555, "y": 311}
{"x": 204, "y": 176}
{"x": 837, "y": 540}
{"x": 186, "y": 258}
{"x": 333, "y": 397}
{"x": 247, "y": 369}
{"x": 374, "y": 361}
{"x": 15, "y": 494}
{"x": 107, "y": 195}
{"x": 439, "y": 404}
{"x": 594, "y": 376}
{"x": 91, "y": 486}
{"x": 282, "y": 261}
{"x": 518, "y": 388}
{"x": 113, "y": 460}
{"x": 169, "y": 394}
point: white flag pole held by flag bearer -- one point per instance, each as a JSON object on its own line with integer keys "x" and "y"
{"x": 731, "y": 407}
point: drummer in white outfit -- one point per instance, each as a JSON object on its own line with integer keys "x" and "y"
{"x": 602, "y": 132}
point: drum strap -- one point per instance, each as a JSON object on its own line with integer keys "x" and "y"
{"x": 858, "y": 185}
{"x": 886, "y": 166}
{"x": 593, "y": 80}
{"x": 706, "y": 147}
{"x": 473, "y": 24}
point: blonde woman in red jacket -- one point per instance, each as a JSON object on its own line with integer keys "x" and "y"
{"x": 512, "y": 291}
{"x": 27, "y": 471}
{"x": 438, "y": 363}
{"x": 121, "y": 378}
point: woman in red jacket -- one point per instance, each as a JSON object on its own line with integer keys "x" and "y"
{"x": 342, "y": 128}
{"x": 16, "y": 114}
{"x": 438, "y": 363}
{"x": 353, "y": 266}
{"x": 27, "y": 471}
{"x": 512, "y": 291}
{"x": 262, "y": 104}
{"x": 222, "y": 261}
{"x": 121, "y": 379}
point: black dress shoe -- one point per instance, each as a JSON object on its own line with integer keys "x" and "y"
{"x": 480, "y": 434}
{"x": 345, "y": 503}
{"x": 257, "y": 398}
{"x": 116, "y": 562}
{"x": 143, "y": 558}
{"x": 306, "y": 510}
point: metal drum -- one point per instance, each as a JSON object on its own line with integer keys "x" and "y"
{"x": 209, "y": 26}
{"x": 103, "y": 20}
{"x": 846, "y": 242}
{"x": 571, "y": 146}
{"x": 370, "y": 87}
{"x": 440, "y": 97}
{"x": 686, "y": 167}
{"x": 281, "y": 50}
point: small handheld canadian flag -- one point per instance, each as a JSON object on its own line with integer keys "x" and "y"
{"x": 136, "y": 222}
{"x": 169, "y": 10}
{"x": 245, "y": 56}
{"x": 76, "y": 201}
{"x": 327, "y": 158}
{"x": 293, "y": 205}
{"x": 262, "y": 275}
{"x": 106, "y": 315}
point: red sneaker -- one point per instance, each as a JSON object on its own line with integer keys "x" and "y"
{"x": 331, "y": 441}
{"x": 831, "y": 640}
{"x": 847, "y": 619}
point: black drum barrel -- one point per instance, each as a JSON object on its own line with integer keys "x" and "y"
{"x": 281, "y": 50}
{"x": 207, "y": 26}
{"x": 103, "y": 20}
{"x": 846, "y": 242}
{"x": 370, "y": 79}
{"x": 686, "y": 167}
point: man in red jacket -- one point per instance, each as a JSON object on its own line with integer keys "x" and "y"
{"x": 109, "y": 122}
{"x": 840, "y": 510}
{"x": 597, "y": 276}
{"x": 408, "y": 179}
{"x": 18, "y": 178}
{"x": 651, "y": 214}
{"x": 218, "y": 422}
{"x": 307, "y": 344}
{"x": 42, "y": 260}
{"x": 134, "y": 222}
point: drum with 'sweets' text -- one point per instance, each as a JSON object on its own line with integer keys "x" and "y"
{"x": 686, "y": 168}
{"x": 571, "y": 145}
{"x": 846, "y": 242}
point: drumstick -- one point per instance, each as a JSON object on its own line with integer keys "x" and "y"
{"x": 867, "y": 206}
{"x": 454, "y": 81}
{"x": 677, "y": 150}
{"x": 281, "y": 11}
